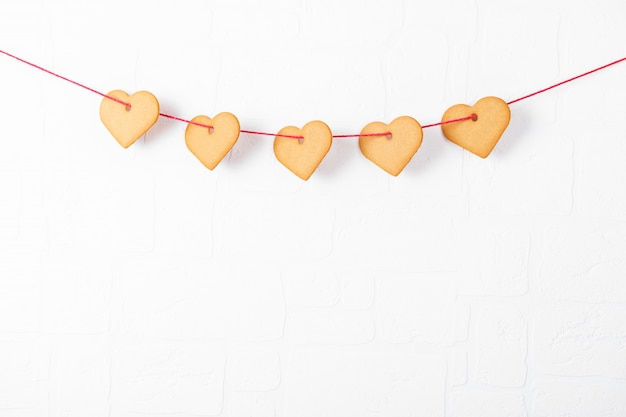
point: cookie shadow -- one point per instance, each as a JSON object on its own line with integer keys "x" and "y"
{"x": 515, "y": 131}
{"x": 163, "y": 127}
{"x": 433, "y": 147}
{"x": 245, "y": 148}
{"x": 343, "y": 152}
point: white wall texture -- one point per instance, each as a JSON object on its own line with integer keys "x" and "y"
{"x": 137, "y": 283}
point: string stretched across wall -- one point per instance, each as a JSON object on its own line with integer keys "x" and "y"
{"x": 391, "y": 146}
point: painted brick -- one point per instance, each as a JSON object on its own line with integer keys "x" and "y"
{"x": 248, "y": 404}
{"x": 576, "y": 340}
{"x": 357, "y": 289}
{"x": 296, "y": 217}
{"x": 176, "y": 191}
{"x": 160, "y": 296}
{"x": 80, "y": 378}
{"x": 11, "y": 201}
{"x": 311, "y": 287}
{"x": 498, "y": 263}
{"x": 477, "y": 403}
{"x": 262, "y": 27}
{"x": 253, "y": 370}
{"x": 76, "y": 299}
{"x": 19, "y": 309}
{"x": 162, "y": 378}
{"x": 457, "y": 371}
{"x": 583, "y": 262}
{"x": 331, "y": 326}
{"x": 365, "y": 383}
{"x": 413, "y": 224}
{"x": 502, "y": 335}
{"x": 24, "y": 373}
{"x": 418, "y": 307}
{"x": 578, "y": 398}
{"x": 295, "y": 99}
{"x": 135, "y": 282}
{"x": 502, "y": 26}
{"x": 508, "y": 192}
{"x": 342, "y": 25}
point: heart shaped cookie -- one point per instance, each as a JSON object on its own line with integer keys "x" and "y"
{"x": 394, "y": 151}
{"x": 302, "y": 156}
{"x": 129, "y": 123}
{"x": 480, "y": 134}
{"x": 210, "y": 145}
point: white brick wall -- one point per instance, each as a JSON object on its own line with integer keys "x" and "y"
{"x": 137, "y": 283}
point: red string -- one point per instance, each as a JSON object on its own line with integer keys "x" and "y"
{"x": 449, "y": 121}
{"x": 63, "y": 78}
{"x": 180, "y": 119}
{"x": 362, "y": 135}
{"x": 253, "y": 132}
{"x": 566, "y": 81}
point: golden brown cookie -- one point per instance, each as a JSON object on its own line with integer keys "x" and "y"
{"x": 394, "y": 151}
{"x": 210, "y": 145}
{"x": 127, "y": 124}
{"x": 302, "y": 156}
{"x": 478, "y": 136}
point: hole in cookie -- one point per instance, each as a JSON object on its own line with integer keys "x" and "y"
{"x": 474, "y": 117}
{"x": 388, "y": 136}
{"x": 211, "y": 130}
{"x": 300, "y": 141}
{"x": 128, "y": 106}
